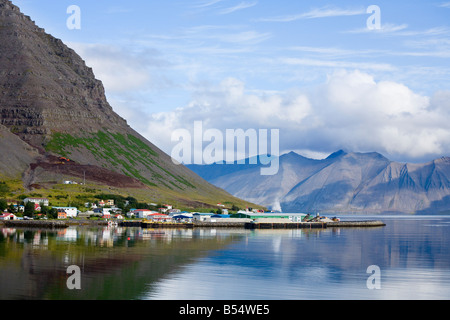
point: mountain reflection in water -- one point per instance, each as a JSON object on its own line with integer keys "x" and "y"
{"x": 132, "y": 263}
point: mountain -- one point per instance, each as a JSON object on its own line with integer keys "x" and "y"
{"x": 342, "y": 183}
{"x": 52, "y": 107}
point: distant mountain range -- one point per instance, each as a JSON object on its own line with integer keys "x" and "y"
{"x": 342, "y": 183}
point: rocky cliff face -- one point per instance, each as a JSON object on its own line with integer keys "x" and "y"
{"x": 52, "y": 105}
{"x": 343, "y": 183}
{"x": 45, "y": 86}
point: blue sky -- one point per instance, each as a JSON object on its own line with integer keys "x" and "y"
{"x": 314, "y": 70}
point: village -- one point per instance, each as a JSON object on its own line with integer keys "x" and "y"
{"x": 106, "y": 210}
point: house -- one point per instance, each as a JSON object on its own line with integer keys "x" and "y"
{"x": 37, "y": 201}
{"x": 292, "y": 217}
{"x": 182, "y": 217}
{"x": 142, "y": 213}
{"x": 86, "y": 214}
{"x": 202, "y": 216}
{"x": 220, "y": 216}
{"x": 108, "y": 210}
{"x": 173, "y": 211}
{"x": 130, "y": 214}
{"x": 110, "y": 203}
{"x": 119, "y": 217}
{"x": 159, "y": 217}
{"x": 62, "y": 214}
{"x": 8, "y": 216}
{"x": 98, "y": 210}
{"x": 71, "y": 212}
{"x": 106, "y": 215}
{"x": 37, "y": 207}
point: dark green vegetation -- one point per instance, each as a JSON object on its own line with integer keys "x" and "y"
{"x": 119, "y": 151}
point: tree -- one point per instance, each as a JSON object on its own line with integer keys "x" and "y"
{"x": 3, "y": 205}
{"x": 12, "y": 209}
{"x": 52, "y": 213}
{"x": 235, "y": 208}
{"x": 29, "y": 209}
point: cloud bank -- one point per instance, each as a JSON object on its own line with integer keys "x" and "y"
{"x": 351, "y": 110}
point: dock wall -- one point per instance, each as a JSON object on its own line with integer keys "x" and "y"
{"x": 245, "y": 224}
{"x": 42, "y": 224}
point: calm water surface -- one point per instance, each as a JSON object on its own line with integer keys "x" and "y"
{"x": 412, "y": 253}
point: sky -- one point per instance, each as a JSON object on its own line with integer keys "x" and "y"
{"x": 354, "y": 75}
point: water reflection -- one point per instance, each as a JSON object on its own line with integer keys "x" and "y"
{"x": 116, "y": 263}
{"x": 134, "y": 263}
{"x": 412, "y": 253}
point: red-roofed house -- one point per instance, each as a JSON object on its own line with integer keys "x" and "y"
{"x": 8, "y": 216}
{"x": 142, "y": 213}
{"x": 106, "y": 215}
{"x": 159, "y": 217}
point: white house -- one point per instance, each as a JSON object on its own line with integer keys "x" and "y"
{"x": 37, "y": 201}
{"x": 8, "y": 216}
{"x": 160, "y": 217}
{"x": 142, "y": 213}
{"x": 202, "y": 216}
{"x": 72, "y": 212}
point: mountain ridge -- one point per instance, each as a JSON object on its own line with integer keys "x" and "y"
{"x": 345, "y": 182}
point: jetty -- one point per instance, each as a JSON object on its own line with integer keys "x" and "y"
{"x": 356, "y": 224}
{"x": 40, "y": 224}
{"x": 314, "y": 225}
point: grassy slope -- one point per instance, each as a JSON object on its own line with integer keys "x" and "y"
{"x": 132, "y": 157}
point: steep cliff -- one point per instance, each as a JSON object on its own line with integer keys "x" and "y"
{"x": 51, "y": 106}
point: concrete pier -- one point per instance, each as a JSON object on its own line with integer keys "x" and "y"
{"x": 355, "y": 224}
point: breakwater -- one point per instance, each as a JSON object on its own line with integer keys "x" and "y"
{"x": 41, "y": 224}
{"x": 356, "y": 224}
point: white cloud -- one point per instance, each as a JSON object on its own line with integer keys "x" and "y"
{"x": 206, "y": 4}
{"x": 351, "y": 110}
{"x": 385, "y": 28}
{"x": 337, "y": 64}
{"x": 240, "y": 6}
{"x": 119, "y": 70}
{"x": 324, "y": 12}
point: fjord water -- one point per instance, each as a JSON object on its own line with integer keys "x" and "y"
{"x": 412, "y": 253}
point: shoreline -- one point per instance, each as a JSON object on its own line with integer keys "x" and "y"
{"x": 252, "y": 225}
